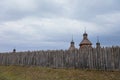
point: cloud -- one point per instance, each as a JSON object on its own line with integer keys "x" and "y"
{"x": 109, "y": 18}
{"x": 109, "y": 21}
{"x": 87, "y": 9}
{"x": 49, "y": 24}
{"x": 15, "y": 10}
{"x": 36, "y": 31}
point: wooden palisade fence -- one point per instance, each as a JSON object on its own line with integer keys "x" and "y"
{"x": 88, "y": 58}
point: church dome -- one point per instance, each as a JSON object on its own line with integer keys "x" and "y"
{"x": 85, "y": 41}
{"x": 72, "y": 46}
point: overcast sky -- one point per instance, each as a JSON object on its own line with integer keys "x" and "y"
{"x": 50, "y": 24}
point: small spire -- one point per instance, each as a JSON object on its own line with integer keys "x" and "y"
{"x": 14, "y": 50}
{"x": 72, "y": 38}
{"x": 72, "y": 46}
{"x": 98, "y": 43}
{"x": 85, "y": 34}
{"x": 85, "y": 29}
{"x": 98, "y": 39}
{"x": 72, "y": 42}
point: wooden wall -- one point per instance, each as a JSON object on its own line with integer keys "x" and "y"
{"x": 88, "y": 58}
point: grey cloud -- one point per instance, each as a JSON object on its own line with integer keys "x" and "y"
{"x": 87, "y": 9}
{"x": 55, "y": 23}
{"x": 78, "y": 9}
{"x": 41, "y": 8}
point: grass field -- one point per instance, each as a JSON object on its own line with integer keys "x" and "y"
{"x": 39, "y": 73}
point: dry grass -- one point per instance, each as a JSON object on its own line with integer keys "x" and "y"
{"x": 40, "y": 73}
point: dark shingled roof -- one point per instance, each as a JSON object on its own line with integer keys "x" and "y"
{"x": 85, "y": 42}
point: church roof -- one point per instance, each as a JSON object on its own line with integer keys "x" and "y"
{"x": 85, "y": 40}
{"x": 72, "y": 47}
